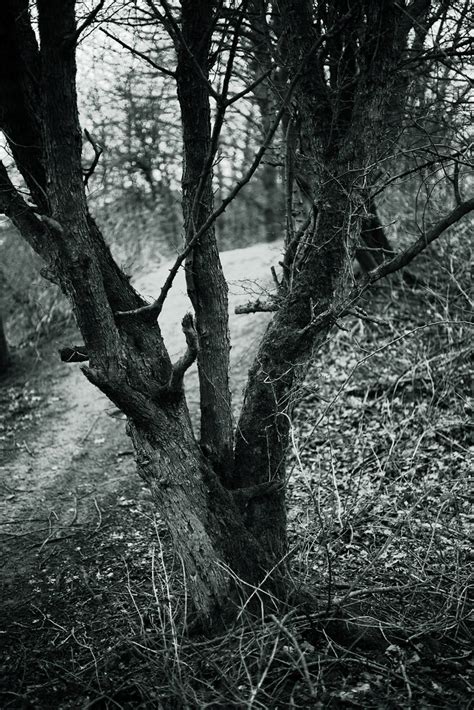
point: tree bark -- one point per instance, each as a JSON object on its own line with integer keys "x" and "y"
{"x": 127, "y": 357}
{"x": 281, "y": 363}
{"x": 340, "y": 145}
{"x": 207, "y": 287}
{"x": 20, "y": 104}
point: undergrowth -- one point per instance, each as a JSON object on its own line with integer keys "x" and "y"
{"x": 379, "y": 524}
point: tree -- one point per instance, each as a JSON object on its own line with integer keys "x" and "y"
{"x": 264, "y": 36}
{"x": 136, "y": 178}
{"x": 222, "y": 497}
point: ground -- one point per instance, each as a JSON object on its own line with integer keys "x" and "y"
{"x": 379, "y": 525}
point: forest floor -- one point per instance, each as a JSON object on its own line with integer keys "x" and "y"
{"x": 380, "y": 517}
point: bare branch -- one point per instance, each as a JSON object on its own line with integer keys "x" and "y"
{"x": 184, "y": 362}
{"x": 360, "y": 313}
{"x": 438, "y": 159}
{"x": 141, "y": 55}
{"x": 275, "y": 278}
{"x": 164, "y": 20}
{"x": 97, "y": 153}
{"x": 21, "y": 214}
{"x": 256, "y": 307}
{"x": 155, "y": 308}
{"x": 74, "y": 353}
{"x": 71, "y": 41}
{"x": 406, "y": 256}
{"x": 455, "y": 181}
{"x": 233, "y": 99}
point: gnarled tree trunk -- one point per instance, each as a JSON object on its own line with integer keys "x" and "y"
{"x": 127, "y": 357}
{"x": 339, "y": 145}
{"x": 224, "y": 505}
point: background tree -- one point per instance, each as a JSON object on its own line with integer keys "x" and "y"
{"x": 132, "y": 115}
{"x": 222, "y": 497}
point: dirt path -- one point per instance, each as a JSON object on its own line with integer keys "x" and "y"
{"x": 55, "y": 482}
{"x": 248, "y": 276}
{"x": 79, "y": 454}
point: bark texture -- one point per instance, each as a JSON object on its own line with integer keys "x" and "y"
{"x": 340, "y": 136}
{"x": 127, "y": 357}
{"x": 207, "y": 287}
{"x": 20, "y": 92}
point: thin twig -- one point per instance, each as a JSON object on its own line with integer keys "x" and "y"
{"x": 97, "y": 153}
{"x": 141, "y": 55}
{"x": 416, "y": 169}
{"x": 154, "y": 309}
{"x": 88, "y": 432}
{"x": 99, "y": 512}
{"x": 71, "y": 41}
{"x": 236, "y": 97}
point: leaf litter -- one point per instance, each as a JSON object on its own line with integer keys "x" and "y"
{"x": 380, "y": 530}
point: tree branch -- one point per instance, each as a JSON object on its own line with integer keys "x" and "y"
{"x": 455, "y": 182}
{"x": 21, "y": 214}
{"x": 76, "y": 353}
{"x": 141, "y": 55}
{"x": 406, "y": 256}
{"x": 418, "y": 168}
{"x": 71, "y": 41}
{"x": 97, "y": 153}
{"x": 233, "y": 99}
{"x": 184, "y": 363}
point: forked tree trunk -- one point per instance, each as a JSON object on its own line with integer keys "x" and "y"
{"x": 221, "y": 513}
{"x": 128, "y": 360}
